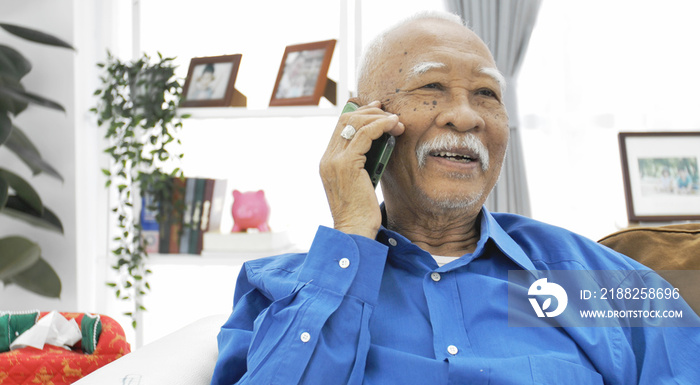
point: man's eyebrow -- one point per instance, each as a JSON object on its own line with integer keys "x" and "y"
{"x": 423, "y": 67}
{"x": 496, "y": 75}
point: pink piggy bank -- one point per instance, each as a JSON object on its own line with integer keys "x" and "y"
{"x": 250, "y": 211}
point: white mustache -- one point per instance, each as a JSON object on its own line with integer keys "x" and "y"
{"x": 450, "y": 142}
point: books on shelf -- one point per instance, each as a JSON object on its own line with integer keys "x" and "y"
{"x": 196, "y": 207}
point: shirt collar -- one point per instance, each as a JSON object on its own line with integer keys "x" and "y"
{"x": 489, "y": 230}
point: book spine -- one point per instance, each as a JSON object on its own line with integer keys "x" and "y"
{"x": 164, "y": 223}
{"x": 149, "y": 225}
{"x": 164, "y": 233}
{"x": 187, "y": 215}
{"x": 206, "y": 213}
{"x": 217, "y": 205}
{"x": 198, "y": 200}
{"x": 177, "y": 212}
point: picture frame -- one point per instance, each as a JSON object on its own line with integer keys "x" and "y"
{"x": 660, "y": 174}
{"x": 210, "y": 82}
{"x": 303, "y": 75}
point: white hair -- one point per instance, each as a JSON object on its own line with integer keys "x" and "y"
{"x": 374, "y": 49}
{"x": 424, "y": 67}
{"x": 449, "y": 141}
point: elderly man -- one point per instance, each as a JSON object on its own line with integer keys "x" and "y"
{"x": 415, "y": 291}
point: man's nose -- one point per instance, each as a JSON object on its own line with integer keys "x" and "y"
{"x": 458, "y": 113}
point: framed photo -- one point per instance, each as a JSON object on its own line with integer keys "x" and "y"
{"x": 302, "y": 77}
{"x": 210, "y": 82}
{"x": 660, "y": 172}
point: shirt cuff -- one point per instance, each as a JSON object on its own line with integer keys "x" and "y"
{"x": 346, "y": 264}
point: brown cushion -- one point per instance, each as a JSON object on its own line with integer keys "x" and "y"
{"x": 666, "y": 249}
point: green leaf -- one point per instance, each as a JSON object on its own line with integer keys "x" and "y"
{"x": 7, "y": 103}
{"x": 40, "y": 278}
{"x": 20, "y": 144}
{"x": 4, "y": 193}
{"x": 17, "y": 208}
{"x": 24, "y": 190}
{"x": 12, "y": 63}
{"x": 17, "y": 254}
{"x": 22, "y": 96}
{"x": 35, "y": 36}
{"x": 5, "y": 127}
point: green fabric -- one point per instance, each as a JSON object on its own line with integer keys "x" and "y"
{"x": 91, "y": 328}
{"x": 12, "y": 324}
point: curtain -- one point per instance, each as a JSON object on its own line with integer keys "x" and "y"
{"x": 505, "y": 26}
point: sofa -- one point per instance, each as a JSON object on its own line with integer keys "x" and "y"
{"x": 673, "y": 251}
{"x": 188, "y": 355}
{"x": 103, "y": 341}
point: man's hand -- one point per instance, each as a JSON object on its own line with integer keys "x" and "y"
{"x": 350, "y": 193}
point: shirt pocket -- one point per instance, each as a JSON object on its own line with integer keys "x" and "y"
{"x": 551, "y": 370}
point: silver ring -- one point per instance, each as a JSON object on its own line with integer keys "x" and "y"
{"x": 348, "y": 132}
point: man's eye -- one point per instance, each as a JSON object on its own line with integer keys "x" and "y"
{"x": 434, "y": 86}
{"x": 487, "y": 92}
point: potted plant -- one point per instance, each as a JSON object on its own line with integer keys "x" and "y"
{"x": 137, "y": 105}
{"x": 21, "y": 262}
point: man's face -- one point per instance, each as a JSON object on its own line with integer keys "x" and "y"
{"x": 441, "y": 81}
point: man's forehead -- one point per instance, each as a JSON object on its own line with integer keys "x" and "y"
{"x": 435, "y": 31}
{"x": 425, "y": 40}
{"x": 425, "y": 45}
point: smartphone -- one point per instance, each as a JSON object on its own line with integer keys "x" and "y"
{"x": 378, "y": 154}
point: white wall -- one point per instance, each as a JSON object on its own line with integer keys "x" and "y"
{"x": 595, "y": 68}
{"x": 53, "y": 133}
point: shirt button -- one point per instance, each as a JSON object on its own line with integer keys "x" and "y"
{"x": 305, "y": 337}
{"x": 452, "y": 350}
{"x": 435, "y": 276}
{"x": 344, "y": 263}
{"x": 393, "y": 242}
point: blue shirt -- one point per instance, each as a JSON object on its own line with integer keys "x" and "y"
{"x": 359, "y": 311}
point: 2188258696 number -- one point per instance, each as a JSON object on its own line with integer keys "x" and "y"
{"x": 640, "y": 293}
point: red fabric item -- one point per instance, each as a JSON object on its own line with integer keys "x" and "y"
{"x": 58, "y": 366}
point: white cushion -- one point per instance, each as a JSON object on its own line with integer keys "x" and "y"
{"x": 186, "y": 356}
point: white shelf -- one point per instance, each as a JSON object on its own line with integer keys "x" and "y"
{"x": 244, "y": 112}
{"x": 230, "y": 249}
{"x": 225, "y": 259}
{"x": 209, "y": 258}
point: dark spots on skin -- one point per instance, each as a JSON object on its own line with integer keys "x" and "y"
{"x": 405, "y": 52}
{"x": 397, "y": 90}
{"x": 414, "y": 109}
{"x": 435, "y": 102}
{"x": 400, "y": 70}
{"x": 425, "y": 103}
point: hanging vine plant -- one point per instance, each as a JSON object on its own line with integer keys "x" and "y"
{"x": 138, "y": 104}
